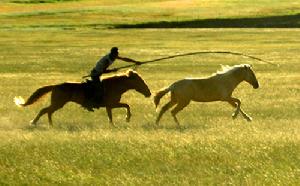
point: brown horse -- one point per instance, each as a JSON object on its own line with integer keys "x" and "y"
{"x": 218, "y": 87}
{"x": 114, "y": 87}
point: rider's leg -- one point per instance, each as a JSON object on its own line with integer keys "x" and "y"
{"x": 89, "y": 102}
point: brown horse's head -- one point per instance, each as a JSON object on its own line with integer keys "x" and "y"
{"x": 250, "y": 76}
{"x": 138, "y": 83}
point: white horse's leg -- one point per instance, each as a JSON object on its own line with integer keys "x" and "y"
{"x": 237, "y": 104}
{"x": 177, "y": 109}
{"x": 163, "y": 110}
{"x": 246, "y": 116}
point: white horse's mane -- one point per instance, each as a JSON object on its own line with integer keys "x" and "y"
{"x": 226, "y": 69}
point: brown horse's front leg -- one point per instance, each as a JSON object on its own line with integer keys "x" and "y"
{"x": 120, "y": 105}
{"x": 109, "y": 114}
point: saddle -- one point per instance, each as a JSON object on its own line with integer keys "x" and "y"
{"x": 93, "y": 93}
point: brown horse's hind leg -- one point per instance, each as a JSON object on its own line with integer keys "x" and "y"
{"x": 164, "y": 109}
{"x": 58, "y": 100}
{"x": 51, "y": 110}
{"x": 42, "y": 112}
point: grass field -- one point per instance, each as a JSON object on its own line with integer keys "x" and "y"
{"x": 49, "y": 43}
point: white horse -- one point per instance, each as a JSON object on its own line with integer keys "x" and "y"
{"x": 218, "y": 87}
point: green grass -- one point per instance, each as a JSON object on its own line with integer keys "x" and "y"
{"x": 210, "y": 149}
{"x": 135, "y": 156}
{"x": 103, "y": 14}
{"x": 37, "y": 1}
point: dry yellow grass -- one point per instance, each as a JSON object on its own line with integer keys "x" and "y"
{"x": 210, "y": 149}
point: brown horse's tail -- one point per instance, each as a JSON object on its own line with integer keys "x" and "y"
{"x": 34, "y": 97}
{"x": 159, "y": 95}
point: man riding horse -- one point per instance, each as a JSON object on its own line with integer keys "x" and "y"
{"x": 96, "y": 91}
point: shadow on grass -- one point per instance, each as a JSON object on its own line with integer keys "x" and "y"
{"x": 286, "y": 21}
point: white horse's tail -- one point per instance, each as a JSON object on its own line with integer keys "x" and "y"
{"x": 160, "y": 94}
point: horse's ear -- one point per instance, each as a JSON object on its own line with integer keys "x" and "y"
{"x": 247, "y": 66}
{"x": 130, "y": 73}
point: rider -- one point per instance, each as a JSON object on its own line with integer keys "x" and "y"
{"x": 100, "y": 68}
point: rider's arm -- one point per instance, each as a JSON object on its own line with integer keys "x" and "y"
{"x": 110, "y": 70}
{"x": 129, "y": 60}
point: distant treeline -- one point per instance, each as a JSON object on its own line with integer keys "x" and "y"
{"x": 285, "y": 21}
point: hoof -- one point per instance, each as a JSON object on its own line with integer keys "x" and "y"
{"x": 234, "y": 115}
{"x": 112, "y": 124}
{"x": 178, "y": 126}
{"x": 249, "y": 119}
{"x": 128, "y": 118}
{"x": 32, "y": 123}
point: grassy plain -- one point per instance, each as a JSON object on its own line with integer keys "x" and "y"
{"x": 43, "y": 44}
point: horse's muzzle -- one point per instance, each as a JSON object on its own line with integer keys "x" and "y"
{"x": 148, "y": 95}
{"x": 256, "y": 85}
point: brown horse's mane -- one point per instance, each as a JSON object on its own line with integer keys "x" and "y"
{"x": 116, "y": 77}
{"x": 120, "y": 76}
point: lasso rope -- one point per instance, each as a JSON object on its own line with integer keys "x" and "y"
{"x": 194, "y": 53}
{"x": 189, "y": 54}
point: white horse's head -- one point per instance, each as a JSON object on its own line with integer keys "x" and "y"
{"x": 250, "y": 76}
